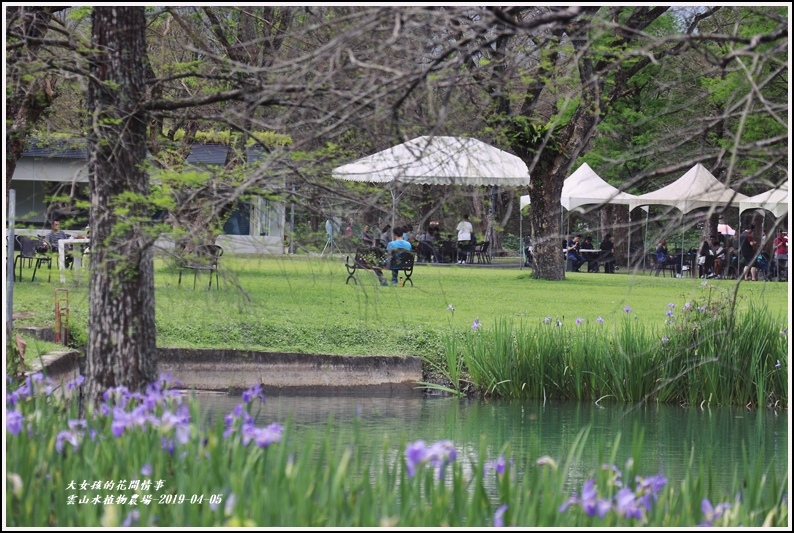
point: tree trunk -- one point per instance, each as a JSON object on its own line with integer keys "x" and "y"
{"x": 121, "y": 330}
{"x": 546, "y": 229}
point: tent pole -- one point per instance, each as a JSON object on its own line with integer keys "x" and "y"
{"x": 645, "y": 239}
{"x": 682, "y": 245}
{"x": 521, "y": 235}
{"x": 628, "y": 246}
{"x": 393, "y": 204}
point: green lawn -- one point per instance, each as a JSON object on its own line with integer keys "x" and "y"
{"x": 302, "y": 304}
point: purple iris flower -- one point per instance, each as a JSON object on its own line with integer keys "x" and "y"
{"x": 414, "y": 455}
{"x": 498, "y": 516}
{"x": 600, "y": 320}
{"x": 77, "y": 424}
{"x": 500, "y": 465}
{"x": 131, "y": 520}
{"x": 263, "y": 437}
{"x": 76, "y": 382}
{"x": 441, "y": 453}
{"x": 168, "y": 445}
{"x": 627, "y": 309}
{"x": 588, "y": 501}
{"x": 626, "y": 504}
{"x": 269, "y": 435}
{"x": 146, "y": 470}
{"x": 712, "y": 513}
{"x": 65, "y": 436}
{"x": 476, "y": 324}
{"x": 651, "y": 485}
{"x": 11, "y": 398}
{"x": 120, "y": 422}
{"x": 14, "y": 421}
{"x": 254, "y": 391}
{"x": 579, "y": 321}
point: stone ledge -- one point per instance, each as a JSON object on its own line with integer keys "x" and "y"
{"x": 210, "y": 369}
{"x": 62, "y": 365}
{"x": 283, "y": 373}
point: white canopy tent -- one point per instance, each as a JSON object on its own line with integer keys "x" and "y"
{"x": 773, "y": 200}
{"x": 585, "y": 187}
{"x": 430, "y": 160}
{"x": 696, "y": 189}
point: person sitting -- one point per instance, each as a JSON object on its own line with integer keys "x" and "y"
{"x": 590, "y": 257}
{"x": 395, "y": 245}
{"x": 51, "y": 243}
{"x": 663, "y": 258}
{"x": 608, "y": 254}
{"x": 572, "y": 249}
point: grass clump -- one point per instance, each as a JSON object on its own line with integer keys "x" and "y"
{"x": 704, "y": 353}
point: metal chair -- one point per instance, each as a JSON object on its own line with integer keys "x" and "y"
{"x": 481, "y": 252}
{"x": 27, "y": 252}
{"x": 204, "y": 259}
{"x": 657, "y": 267}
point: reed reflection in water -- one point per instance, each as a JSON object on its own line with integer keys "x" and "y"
{"x": 716, "y": 437}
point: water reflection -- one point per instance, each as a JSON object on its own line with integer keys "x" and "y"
{"x": 673, "y": 436}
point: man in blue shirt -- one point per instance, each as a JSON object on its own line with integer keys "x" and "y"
{"x": 398, "y": 243}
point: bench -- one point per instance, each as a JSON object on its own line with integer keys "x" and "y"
{"x": 377, "y": 260}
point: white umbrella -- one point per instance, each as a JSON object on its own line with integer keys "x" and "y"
{"x": 725, "y": 229}
{"x": 437, "y": 161}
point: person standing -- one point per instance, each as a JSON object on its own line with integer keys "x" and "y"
{"x": 780, "y": 245}
{"x": 366, "y": 236}
{"x": 747, "y": 252}
{"x": 385, "y": 235}
{"x": 608, "y": 254}
{"x": 465, "y": 230}
{"x": 719, "y": 256}
{"x": 705, "y": 259}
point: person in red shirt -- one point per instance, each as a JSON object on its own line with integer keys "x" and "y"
{"x": 780, "y": 244}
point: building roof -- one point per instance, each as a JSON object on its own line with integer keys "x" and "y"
{"x": 201, "y": 153}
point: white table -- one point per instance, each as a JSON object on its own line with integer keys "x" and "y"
{"x": 62, "y": 254}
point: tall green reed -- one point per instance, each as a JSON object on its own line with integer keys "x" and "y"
{"x": 701, "y": 354}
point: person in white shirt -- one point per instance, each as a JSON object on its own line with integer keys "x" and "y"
{"x": 464, "y": 238}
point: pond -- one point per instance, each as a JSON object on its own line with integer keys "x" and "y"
{"x": 676, "y": 439}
